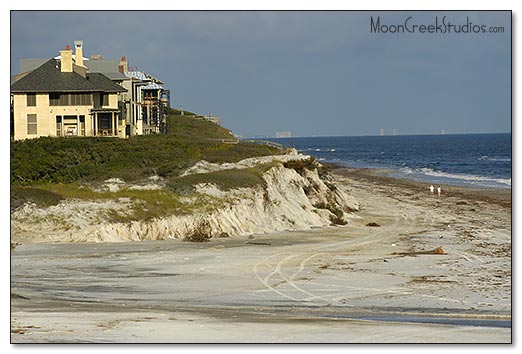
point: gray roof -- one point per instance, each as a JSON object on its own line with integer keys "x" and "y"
{"x": 103, "y": 65}
{"x": 49, "y": 78}
{"x": 108, "y": 67}
{"x": 116, "y": 76}
{"x": 104, "y": 83}
{"x": 28, "y": 64}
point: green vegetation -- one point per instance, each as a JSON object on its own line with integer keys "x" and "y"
{"x": 311, "y": 164}
{"x": 68, "y": 160}
{"x": 224, "y": 180}
{"x": 301, "y": 165}
{"x": 198, "y": 129}
{"x": 148, "y": 204}
{"x": 337, "y": 217}
{"x": 219, "y": 153}
{"x": 202, "y": 233}
{"x": 44, "y": 171}
{"x": 40, "y": 197}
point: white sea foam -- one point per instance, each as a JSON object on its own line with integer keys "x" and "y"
{"x": 495, "y": 159}
{"x": 469, "y": 179}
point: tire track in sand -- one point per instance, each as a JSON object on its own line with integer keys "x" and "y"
{"x": 290, "y": 279}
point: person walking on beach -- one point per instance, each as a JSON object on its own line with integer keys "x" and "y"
{"x": 439, "y": 190}
{"x": 432, "y": 189}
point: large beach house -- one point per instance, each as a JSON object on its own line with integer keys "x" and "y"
{"x": 70, "y": 95}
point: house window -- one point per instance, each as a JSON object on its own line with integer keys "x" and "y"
{"x": 75, "y": 100}
{"x": 65, "y": 100}
{"x": 31, "y": 99}
{"x": 58, "y": 99}
{"x": 70, "y": 99}
{"x": 105, "y": 99}
{"x": 54, "y": 99}
{"x": 105, "y": 121}
{"x": 31, "y": 124}
{"x": 86, "y": 99}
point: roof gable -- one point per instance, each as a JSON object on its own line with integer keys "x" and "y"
{"x": 104, "y": 83}
{"x": 49, "y": 78}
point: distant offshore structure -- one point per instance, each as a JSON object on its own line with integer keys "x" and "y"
{"x": 283, "y": 134}
{"x": 382, "y": 132}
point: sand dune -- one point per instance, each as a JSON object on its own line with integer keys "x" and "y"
{"x": 350, "y": 284}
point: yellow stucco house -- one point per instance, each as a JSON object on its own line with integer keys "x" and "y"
{"x": 60, "y": 98}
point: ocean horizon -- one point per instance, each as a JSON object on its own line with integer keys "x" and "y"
{"x": 480, "y": 160}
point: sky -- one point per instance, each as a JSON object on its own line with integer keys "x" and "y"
{"x": 314, "y": 73}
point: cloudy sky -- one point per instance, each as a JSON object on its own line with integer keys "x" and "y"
{"x": 312, "y": 73}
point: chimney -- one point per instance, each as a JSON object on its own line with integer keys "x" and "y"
{"x": 124, "y": 65}
{"x": 66, "y": 62}
{"x": 79, "y": 52}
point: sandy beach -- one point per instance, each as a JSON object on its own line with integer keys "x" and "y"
{"x": 409, "y": 267}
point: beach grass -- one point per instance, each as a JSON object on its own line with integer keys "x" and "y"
{"x": 225, "y": 180}
{"x": 147, "y": 204}
{"x": 180, "y": 196}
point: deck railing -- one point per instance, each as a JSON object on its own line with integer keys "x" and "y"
{"x": 266, "y": 142}
{"x": 104, "y": 132}
{"x": 226, "y": 141}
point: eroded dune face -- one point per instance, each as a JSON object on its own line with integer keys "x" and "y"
{"x": 288, "y": 200}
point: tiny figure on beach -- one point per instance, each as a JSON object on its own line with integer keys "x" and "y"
{"x": 432, "y": 189}
{"x": 439, "y": 190}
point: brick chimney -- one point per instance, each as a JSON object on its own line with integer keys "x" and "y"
{"x": 78, "y": 46}
{"x": 124, "y": 65}
{"x": 66, "y": 62}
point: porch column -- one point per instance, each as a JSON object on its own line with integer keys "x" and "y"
{"x": 63, "y": 126}
{"x": 116, "y": 118}
{"x": 94, "y": 119}
{"x": 77, "y": 125}
{"x": 112, "y": 123}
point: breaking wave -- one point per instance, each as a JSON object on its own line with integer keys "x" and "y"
{"x": 479, "y": 181}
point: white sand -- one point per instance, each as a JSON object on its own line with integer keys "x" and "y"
{"x": 347, "y": 284}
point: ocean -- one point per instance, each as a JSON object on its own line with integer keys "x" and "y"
{"x": 475, "y": 160}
